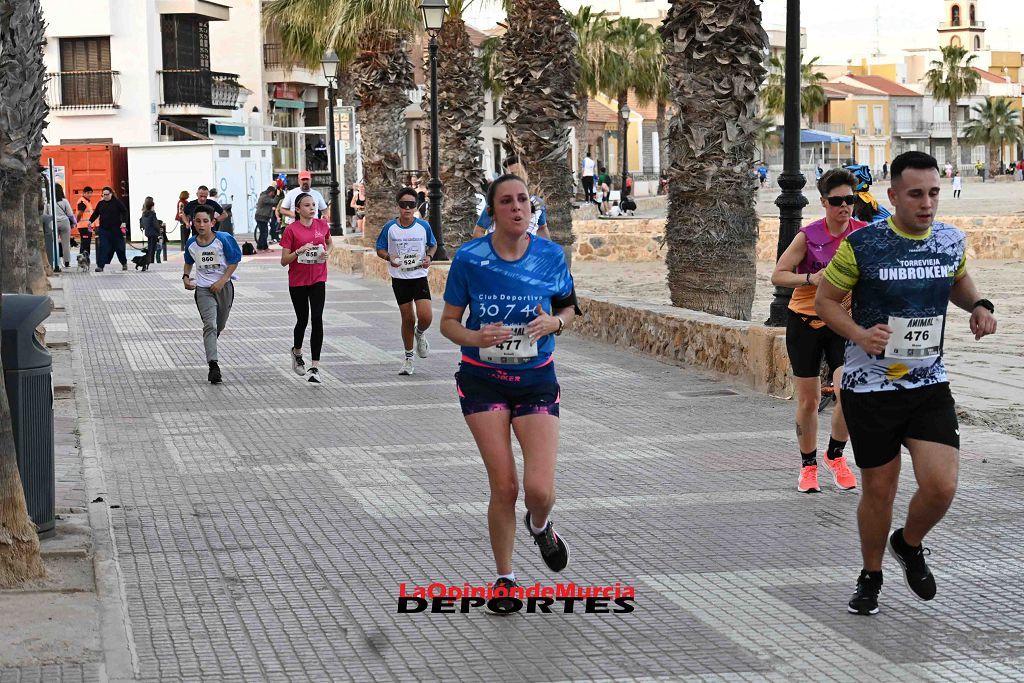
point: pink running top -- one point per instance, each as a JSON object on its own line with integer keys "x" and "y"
{"x": 822, "y": 245}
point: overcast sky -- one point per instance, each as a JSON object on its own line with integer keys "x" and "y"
{"x": 836, "y": 36}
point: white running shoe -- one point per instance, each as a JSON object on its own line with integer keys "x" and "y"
{"x": 422, "y": 345}
{"x": 314, "y": 376}
{"x": 298, "y": 365}
{"x": 407, "y": 368}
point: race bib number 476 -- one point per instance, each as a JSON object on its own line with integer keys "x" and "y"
{"x": 915, "y": 338}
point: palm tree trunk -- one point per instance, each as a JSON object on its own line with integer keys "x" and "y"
{"x": 35, "y": 241}
{"x": 711, "y": 227}
{"x": 13, "y": 251}
{"x": 460, "y": 119}
{"x": 954, "y": 141}
{"x": 582, "y": 107}
{"x": 662, "y": 121}
{"x": 383, "y": 77}
{"x": 540, "y": 74}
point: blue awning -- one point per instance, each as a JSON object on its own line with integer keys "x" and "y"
{"x": 809, "y": 135}
{"x": 227, "y": 129}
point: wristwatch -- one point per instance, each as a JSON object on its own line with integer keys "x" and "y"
{"x": 185, "y": 277}
{"x": 984, "y": 303}
{"x": 561, "y": 325}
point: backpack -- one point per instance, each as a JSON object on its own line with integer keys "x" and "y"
{"x": 248, "y": 249}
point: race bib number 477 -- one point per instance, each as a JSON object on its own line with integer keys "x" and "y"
{"x": 516, "y": 349}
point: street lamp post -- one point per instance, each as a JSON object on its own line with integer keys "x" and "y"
{"x": 624, "y": 113}
{"x": 433, "y": 19}
{"x": 791, "y": 201}
{"x": 330, "y": 65}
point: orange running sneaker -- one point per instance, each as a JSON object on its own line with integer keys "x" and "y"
{"x": 842, "y": 475}
{"x": 808, "y": 480}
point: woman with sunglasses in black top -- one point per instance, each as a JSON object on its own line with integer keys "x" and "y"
{"x": 808, "y": 340}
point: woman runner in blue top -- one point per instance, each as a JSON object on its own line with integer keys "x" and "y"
{"x": 520, "y": 295}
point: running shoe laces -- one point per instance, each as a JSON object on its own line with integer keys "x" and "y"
{"x": 916, "y": 573}
{"x": 553, "y": 550}
{"x": 808, "y": 482}
{"x": 407, "y": 368}
{"x": 842, "y": 475}
{"x": 298, "y": 365}
{"x": 314, "y": 376}
{"x": 865, "y": 597}
{"x": 422, "y": 345}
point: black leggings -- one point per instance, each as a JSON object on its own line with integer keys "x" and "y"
{"x": 306, "y": 299}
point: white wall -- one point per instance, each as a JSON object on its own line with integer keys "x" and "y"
{"x": 134, "y": 30}
{"x": 236, "y": 46}
{"x": 163, "y": 170}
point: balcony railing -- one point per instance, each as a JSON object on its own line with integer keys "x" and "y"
{"x": 199, "y": 87}
{"x": 837, "y": 128}
{"x": 910, "y": 127}
{"x": 943, "y": 129}
{"x": 83, "y": 89}
{"x": 273, "y": 56}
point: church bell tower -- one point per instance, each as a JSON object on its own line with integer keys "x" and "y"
{"x": 961, "y": 25}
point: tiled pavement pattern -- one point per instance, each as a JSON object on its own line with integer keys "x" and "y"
{"x": 265, "y": 525}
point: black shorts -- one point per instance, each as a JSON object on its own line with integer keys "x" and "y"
{"x": 806, "y": 346}
{"x": 481, "y": 395}
{"x": 881, "y": 421}
{"x": 407, "y": 290}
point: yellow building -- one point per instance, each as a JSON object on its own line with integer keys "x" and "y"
{"x": 862, "y": 112}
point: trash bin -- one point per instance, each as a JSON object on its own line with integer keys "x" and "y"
{"x": 27, "y": 377}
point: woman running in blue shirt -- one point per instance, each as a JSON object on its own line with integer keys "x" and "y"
{"x": 520, "y": 295}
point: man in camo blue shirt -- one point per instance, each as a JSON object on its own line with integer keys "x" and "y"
{"x": 902, "y": 272}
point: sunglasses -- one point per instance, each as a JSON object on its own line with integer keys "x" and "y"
{"x": 407, "y": 205}
{"x": 839, "y": 201}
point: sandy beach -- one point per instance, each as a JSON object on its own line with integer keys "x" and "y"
{"x": 987, "y": 375}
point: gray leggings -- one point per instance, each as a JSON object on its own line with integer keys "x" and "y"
{"x": 214, "y": 309}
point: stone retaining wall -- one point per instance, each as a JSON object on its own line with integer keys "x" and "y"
{"x": 640, "y": 239}
{"x": 742, "y": 351}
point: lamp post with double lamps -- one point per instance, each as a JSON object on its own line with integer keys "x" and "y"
{"x": 433, "y": 19}
{"x": 624, "y": 113}
{"x": 330, "y": 64}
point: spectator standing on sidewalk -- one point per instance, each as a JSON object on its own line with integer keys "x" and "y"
{"x": 179, "y": 215}
{"x": 150, "y": 226}
{"x": 65, "y": 217}
{"x": 958, "y": 184}
{"x": 113, "y": 221}
{"x": 589, "y": 175}
{"x": 265, "y": 205}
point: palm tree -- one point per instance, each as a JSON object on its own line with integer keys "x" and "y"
{"x": 767, "y": 135}
{"x": 22, "y": 119}
{"x": 490, "y": 71}
{"x": 306, "y": 31}
{"x": 714, "y": 59}
{"x": 995, "y": 125}
{"x": 812, "y": 94}
{"x": 633, "y": 63}
{"x": 540, "y": 73}
{"x": 949, "y": 80}
{"x": 591, "y": 29}
{"x": 460, "y": 119}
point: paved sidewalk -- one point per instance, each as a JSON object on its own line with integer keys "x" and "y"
{"x": 262, "y": 527}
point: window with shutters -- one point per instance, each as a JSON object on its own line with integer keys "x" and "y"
{"x": 85, "y": 76}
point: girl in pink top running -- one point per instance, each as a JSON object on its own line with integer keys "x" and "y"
{"x": 304, "y": 249}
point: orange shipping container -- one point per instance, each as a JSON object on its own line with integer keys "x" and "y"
{"x": 96, "y": 166}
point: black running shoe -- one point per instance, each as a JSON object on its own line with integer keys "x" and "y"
{"x": 505, "y": 605}
{"x": 915, "y": 570}
{"x": 553, "y": 549}
{"x": 865, "y": 598}
{"x": 314, "y": 376}
{"x": 214, "y": 375}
